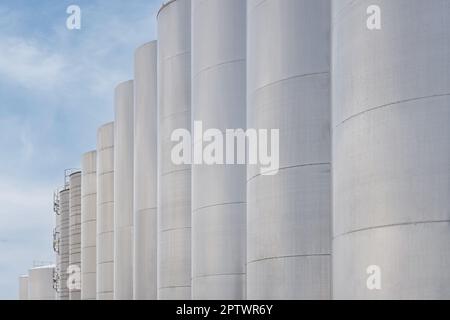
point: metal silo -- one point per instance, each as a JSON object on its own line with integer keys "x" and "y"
{"x": 174, "y": 108}
{"x": 40, "y": 283}
{"x": 391, "y": 150}
{"x": 145, "y": 173}
{"x": 88, "y": 225}
{"x": 64, "y": 212}
{"x": 123, "y": 191}
{"x": 75, "y": 236}
{"x": 218, "y": 191}
{"x": 105, "y": 212}
{"x": 289, "y": 89}
{"x": 23, "y": 287}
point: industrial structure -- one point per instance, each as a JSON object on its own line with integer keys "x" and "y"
{"x": 105, "y": 212}
{"x": 145, "y": 172}
{"x": 358, "y": 208}
{"x": 174, "y": 181}
{"x": 123, "y": 191}
{"x": 391, "y": 150}
{"x": 89, "y": 226}
{"x": 218, "y": 191}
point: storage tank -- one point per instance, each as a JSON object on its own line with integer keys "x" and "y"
{"x": 145, "y": 173}
{"x": 40, "y": 283}
{"x": 391, "y": 150}
{"x": 88, "y": 225}
{"x": 64, "y": 212}
{"x": 218, "y": 191}
{"x": 174, "y": 105}
{"x": 105, "y": 212}
{"x": 123, "y": 191}
{"x": 289, "y": 214}
{"x": 23, "y": 287}
{"x": 75, "y": 236}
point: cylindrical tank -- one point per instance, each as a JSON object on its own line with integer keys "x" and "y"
{"x": 75, "y": 236}
{"x": 40, "y": 283}
{"x": 23, "y": 287}
{"x": 123, "y": 191}
{"x": 174, "y": 106}
{"x": 105, "y": 212}
{"x": 145, "y": 173}
{"x": 288, "y": 218}
{"x": 64, "y": 212}
{"x": 391, "y": 150}
{"x": 218, "y": 191}
{"x": 88, "y": 225}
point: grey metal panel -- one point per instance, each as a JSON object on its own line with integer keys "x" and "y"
{"x": 40, "y": 283}
{"x": 145, "y": 173}
{"x": 23, "y": 288}
{"x": 174, "y": 182}
{"x": 123, "y": 191}
{"x": 219, "y": 101}
{"x": 288, "y": 214}
{"x": 75, "y": 229}
{"x": 391, "y": 150}
{"x": 105, "y": 212}
{"x": 64, "y": 211}
{"x": 88, "y": 225}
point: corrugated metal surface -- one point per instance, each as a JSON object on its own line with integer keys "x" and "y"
{"x": 219, "y": 191}
{"x": 123, "y": 191}
{"x": 391, "y": 149}
{"x": 174, "y": 105}
{"x": 289, "y": 243}
{"x": 105, "y": 212}
{"x": 145, "y": 173}
{"x": 88, "y": 225}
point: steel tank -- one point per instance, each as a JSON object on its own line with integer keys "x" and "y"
{"x": 391, "y": 150}
{"x": 288, "y": 217}
{"x": 88, "y": 225}
{"x": 64, "y": 213}
{"x": 75, "y": 236}
{"x": 174, "y": 181}
{"x": 40, "y": 283}
{"x": 145, "y": 173}
{"x": 23, "y": 287}
{"x": 218, "y": 191}
{"x": 123, "y": 191}
{"x": 105, "y": 212}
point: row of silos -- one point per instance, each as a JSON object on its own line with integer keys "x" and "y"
{"x": 364, "y": 154}
{"x": 38, "y": 284}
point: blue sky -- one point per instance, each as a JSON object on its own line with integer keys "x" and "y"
{"x": 56, "y": 89}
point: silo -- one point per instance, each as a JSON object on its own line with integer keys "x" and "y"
{"x": 123, "y": 191}
{"x": 23, "y": 287}
{"x": 64, "y": 212}
{"x": 105, "y": 212}
{"x": 218, "y": 191}
{"x": 288, "y": 218}
{"x": 145, "y": 173}
{"x": 174, "y": 108}
{"x": 40, "y": 283}
{"x": 75, "y": 236}
{"x": 391, "y": 150}
{"x": 88, "y": 225}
